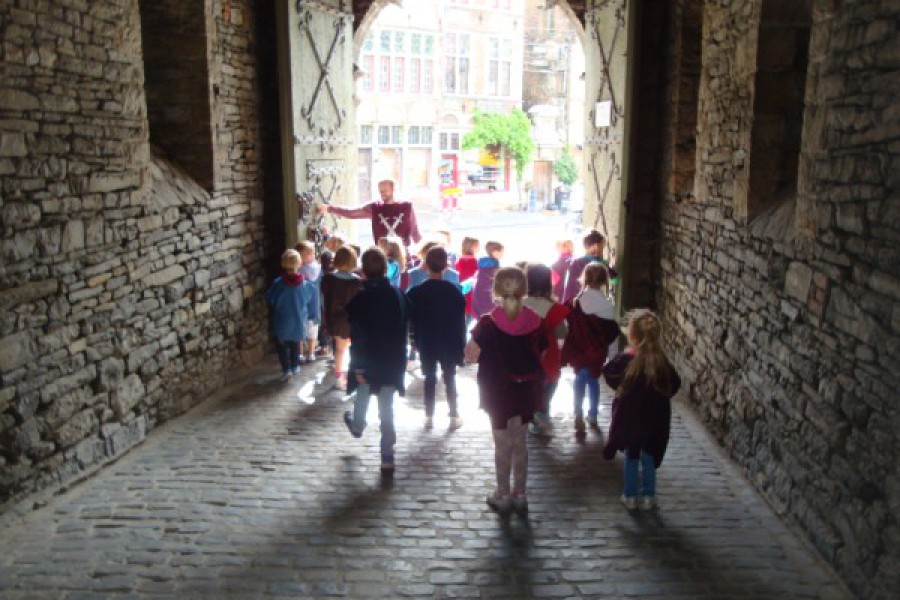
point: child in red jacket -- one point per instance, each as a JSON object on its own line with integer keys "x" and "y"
{"x": 540, "y": 299}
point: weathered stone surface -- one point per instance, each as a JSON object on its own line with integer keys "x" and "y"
{"x": 72, "y": 236}
{"x": 16, "y": 350}
{"x": 127, "y": 395}
{"x": 798, "y": 280}
{"x": 98, "y": 237}
{"x": 29, "y": 292}
{"x": 19, "y": 214}
{"x": 811, "y": 285}
{"x": 167, "y": 275}
{"x": 12, "y": 144}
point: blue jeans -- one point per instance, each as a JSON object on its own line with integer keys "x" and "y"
{"x": 583, "y": 378}
{"x": 631, "y": 475}
{"x": 288, "y": 355}
{"x": 385, "y": 414}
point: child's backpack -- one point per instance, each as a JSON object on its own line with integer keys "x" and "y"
{"x": 588, "y": 340}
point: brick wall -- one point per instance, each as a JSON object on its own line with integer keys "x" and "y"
{"x": 128, "y": 290}
{"x": 787, "y": 325}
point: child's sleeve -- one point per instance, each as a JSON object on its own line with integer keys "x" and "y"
{"x": 272, "y": 294}
{"x": 312, "y": 305}
{"x": 614, "y": 371}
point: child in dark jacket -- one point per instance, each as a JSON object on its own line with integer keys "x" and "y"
{"x": 594, "y": 243}
{"x": 507, "y": 343}
{"x": 294, "y": 302}
{"x": 482, "y": 302}
{"x": 338, "y": 289}
{"x": 438, "y": 315}
{"x": 644, "y": 381}
{"x": 378, "y": 331}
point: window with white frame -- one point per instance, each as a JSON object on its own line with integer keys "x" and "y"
{"x": 499, "y": 71}
{"x": 457, "y": 50}
{"x": 365, "y": 135}
{"x": 419, "y": 135}
{"x": 398, "y": 61}
{"x": 449, "y": 140}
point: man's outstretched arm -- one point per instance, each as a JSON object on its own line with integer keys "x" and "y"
{"x": 360, "y": 212}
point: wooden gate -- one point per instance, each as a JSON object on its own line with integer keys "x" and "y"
{"x": 318, "y": 123}
{"x": 608, "y": 93}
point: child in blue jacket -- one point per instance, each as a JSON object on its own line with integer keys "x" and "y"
{"x": 292, "y": 301}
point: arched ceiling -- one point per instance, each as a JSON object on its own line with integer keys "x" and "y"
{"x": 361, "y": 7}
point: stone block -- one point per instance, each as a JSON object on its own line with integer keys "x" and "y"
{"x": 62, "y": 409}
{"x": 27, "y": 436}
{"x": 94, "y": 232}
{"x": 20, "y": 246}
{"x": 19, "y": 214}
{"x": 27, "y": 293}
{"x": 797, "y": 281}
{"x": 89, "y": 452}
{"x": 886, "y": 284}
{"x": 852, "y": 218}
{"x": 76, "y": 429}
{"x": 48, "y": 240}
{"x": 16, "y": 350}
{"x": 166, "y": 276}
{"x": 17, "y": 100}
{"x": 111, "y": 182}
{"x": 72, "y": 236}
{"x": 12, "y": 143}
{"x": 140, "y": 355}
{"x": 127, "y": 395}
{"x": 112, "y": 370}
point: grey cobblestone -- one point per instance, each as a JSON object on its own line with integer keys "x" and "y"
{"x": 262, "y": 494}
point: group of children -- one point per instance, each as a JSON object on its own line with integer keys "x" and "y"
{"x": 529, "y": 321}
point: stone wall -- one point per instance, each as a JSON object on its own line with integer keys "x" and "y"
{"x": 129, "y": 292}
{"x": 787, "y": 326}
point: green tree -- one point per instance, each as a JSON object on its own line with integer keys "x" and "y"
{"x": 511, "y": 131}
{"x": 564, "y": 168}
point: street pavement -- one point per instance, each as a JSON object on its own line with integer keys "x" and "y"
{"x": 262, "y": 493}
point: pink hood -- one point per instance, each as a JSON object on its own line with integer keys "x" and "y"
{"x": 526, "y": 322}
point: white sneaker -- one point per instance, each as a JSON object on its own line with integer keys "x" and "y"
{"x": 328, "y": 382}
{"x": 286, "y": 376}
{"x": 455, "y": 423}
{"x": 630, "y": 502}
{"x": 648, "y": 503}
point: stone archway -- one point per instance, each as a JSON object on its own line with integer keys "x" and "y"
{"x": 605, "y": 35}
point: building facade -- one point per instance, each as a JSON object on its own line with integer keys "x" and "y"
{"x": 553, "y": 92}
{"x": 426, "y": 68}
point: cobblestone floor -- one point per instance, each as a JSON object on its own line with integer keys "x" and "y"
{"x": 263, "y": 493}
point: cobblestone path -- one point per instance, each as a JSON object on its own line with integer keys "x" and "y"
{"x": 263, "y": 493}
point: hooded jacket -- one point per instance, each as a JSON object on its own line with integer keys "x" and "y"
{"x": 510, "y": 376}
{"x": 292, "y": 302}
{"x": 378, "y": 330}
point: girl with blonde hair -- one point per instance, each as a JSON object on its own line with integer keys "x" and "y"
{"x": 644, "y": 381}
{"x": 507, "y": 343}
